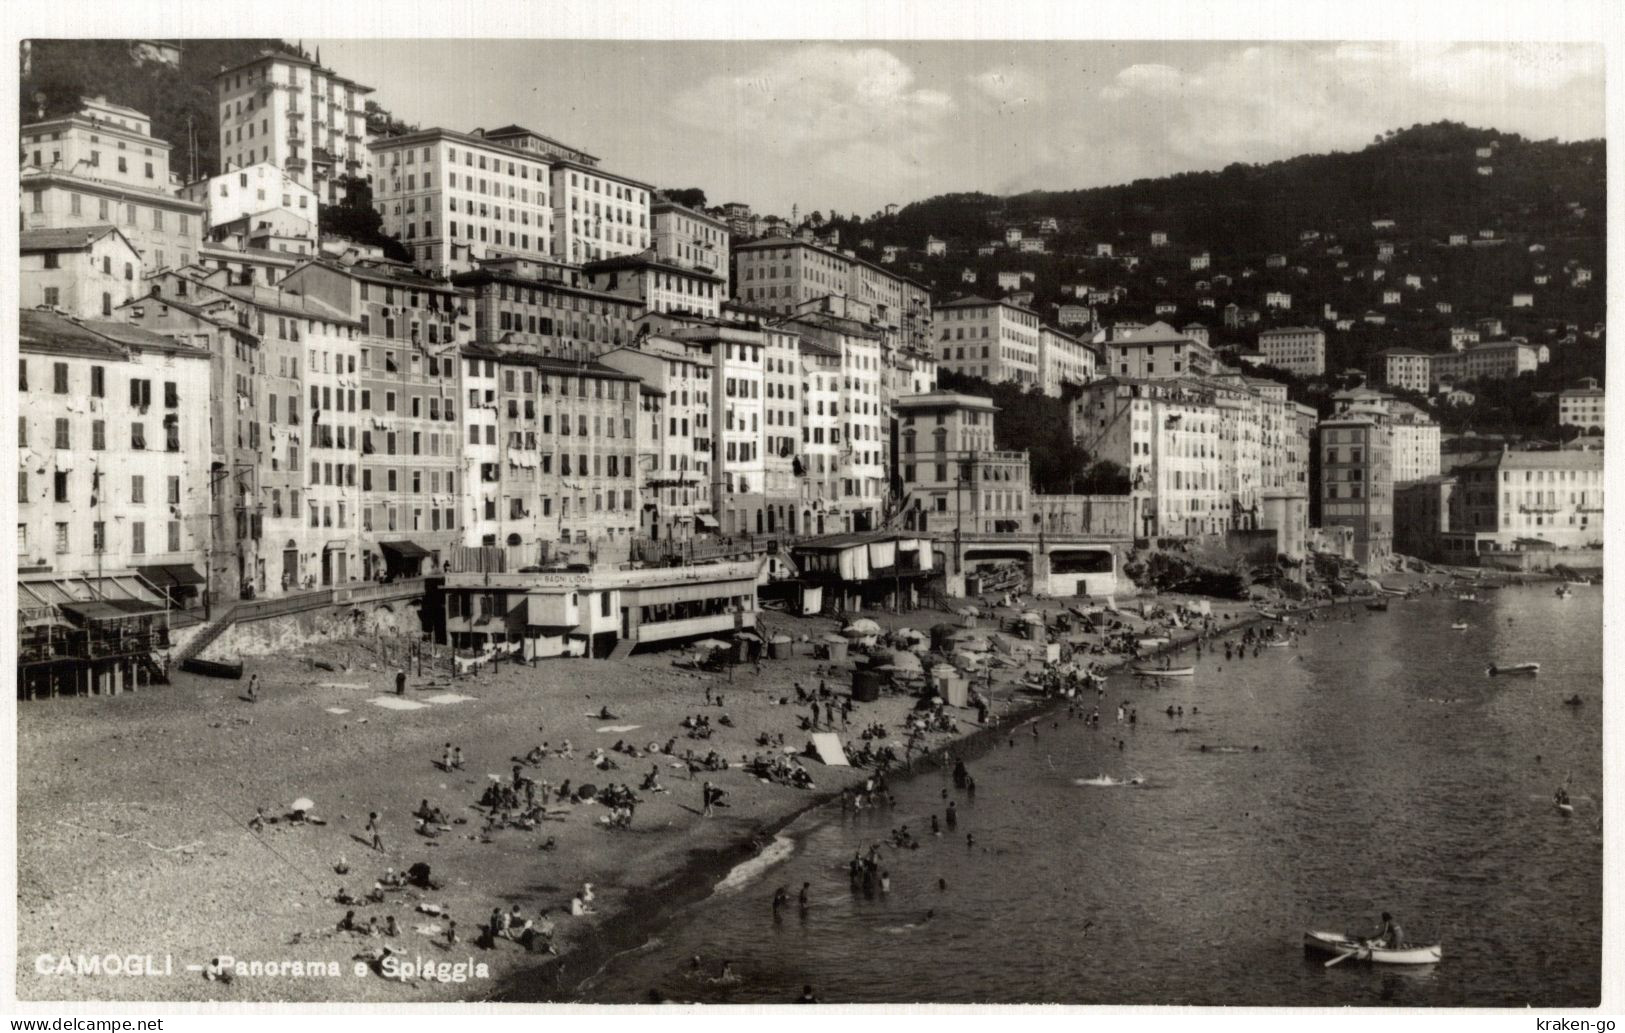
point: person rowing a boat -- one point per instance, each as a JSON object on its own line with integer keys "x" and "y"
{"x": 1391, "y": 936}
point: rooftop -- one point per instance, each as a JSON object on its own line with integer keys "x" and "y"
{"x": 67, "y": 238}
{"x": 945, "y": 399}
{"x": 546, "y": 364}
{"x": 42, "y": 330}
{"x": 646, "y": 261}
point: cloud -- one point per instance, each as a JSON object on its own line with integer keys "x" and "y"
{"x": 1010, "y": 86}
{"x": 819, "y": 98}
{"x": 1258, "y": 103}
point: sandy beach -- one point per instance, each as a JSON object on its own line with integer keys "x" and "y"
{"x": 134, "y": 816}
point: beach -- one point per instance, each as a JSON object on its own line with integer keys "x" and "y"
{"x": 134, "y": 815}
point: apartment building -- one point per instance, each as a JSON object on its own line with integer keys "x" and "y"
{"x": 952, "y": 476}
{"x": 258, "y": 202}
{"x": 455, "y": 200}
{"x": 692, "y": 239}
{"x": 86, "y": 271}
{"x": 542, "y": 308}
{"x": 305, "y": 119}
{"x": 1405, "y": 368}
{"x": 237, "y": 429}
{"x": 597, "y": 214}
{"x": 101, "y": 166}
{"x": 1522, "y": 499}
{"x": 1166, "y": 433}
{"x": 411, "y": 438}
{"x": 820, "y": 436}
{"x": 659, "y": 285}
{"x": 675, "y": 450}
{"x": 1063, "y": 358}
{"x": 1357, "y": 484}
{"x": 1416, "y": 442}
{"x": 1158, "y": 350}
{"x": 112, "y": 447}
{"x": 997, "y": 341}
{"x": 1297, "y": 349}
{"x": 1492, "y": 360}
{"x": 781, "y": 275}
{"x": 1581, "y": 407}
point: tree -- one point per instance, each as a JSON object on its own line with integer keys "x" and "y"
{"x": 1104, "y": 477}
{"x": 381, "y": 123}
{"x": 688, "y": 197}
{"x": 357, "y": 219}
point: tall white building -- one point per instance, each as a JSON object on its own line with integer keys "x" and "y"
{"x": 303, "y": 118}
{"x": 236, "y": 201}
{"x": 689, "y": 238}
{"x": 997, "y": 341}
{"x": 1062, "y": 359}
{"x": 1296, "y": 349}
{"x": 456, "y": 199}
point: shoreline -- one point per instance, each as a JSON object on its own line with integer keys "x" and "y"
{"x": 372, "y": 756}
{"x": 696, "y": 882}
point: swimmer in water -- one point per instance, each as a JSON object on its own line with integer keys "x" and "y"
{"x": 885, "y": 882}
{"x": 970, "y": 839}
{"x": 942, "y": 884}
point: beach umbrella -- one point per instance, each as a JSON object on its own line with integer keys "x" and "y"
{"x": 856, "y": 633}
{"x": 708, "y": 644}
{"x": 864, "y": 625}
{"x": 969, "y": 611}
{"x": 586, "y": 791}
{"x": 304, "y": 803}
{"x": 907, "y": 662}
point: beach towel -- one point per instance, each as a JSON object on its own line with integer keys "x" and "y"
{"x": 620, "y": 728}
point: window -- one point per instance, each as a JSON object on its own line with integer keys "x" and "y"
{"x": 138, "y": 436}
{"x": 59, "y": 377}
{"x": 62, "y": 440}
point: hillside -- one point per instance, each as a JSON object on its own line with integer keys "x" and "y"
{"x": 180, "y": 100}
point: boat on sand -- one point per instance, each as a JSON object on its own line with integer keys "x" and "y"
{"x": 1165, "y": 672}
{"x": 1342, "y": 946}
{"x": 1525, "y": 668}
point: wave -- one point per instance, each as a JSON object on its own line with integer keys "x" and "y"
{"x": 747, "y": 871}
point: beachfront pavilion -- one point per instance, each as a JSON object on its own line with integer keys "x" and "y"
{"x": 594, "y": 612}
{"x": 874, "y": 569}
{"x": 80, "y": 635}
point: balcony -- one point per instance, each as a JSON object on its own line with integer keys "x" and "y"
{"x": 294, "y": 164}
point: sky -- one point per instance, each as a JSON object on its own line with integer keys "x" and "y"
{"x": 852, "y": 126}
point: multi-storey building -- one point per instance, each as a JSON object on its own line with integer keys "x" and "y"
{"x": 861, "y": 435}
{"x": 1158, "y": 350}
{"x": 1166, "y": 434}
{"x": 241, "y": 201}
{"x": 244, "y": 265}
{"x": 1517, "y": 499}
{"x": 690, "y": 238}
{"x": 112, "y": 448}
{"x": 411, "y": 440}
{"x": 455, "y": 200}
{"x": 1357, "y": 484}
{"x": 1296, "y": 349}
{"x": 566, "y": 455}
{"x": 952, "y": 476}
{"x": 302, "y": 118}
{"x": 1493, "y": 360}
{"x": 1422, "y": 516}
{"x": 1405, "y": 368}
{"x": 86, "y": 271}
{"x": 1415, "y": 443}
{"x": 1062, "y": 359}
{"x": 995, "y": 340}
{"x": 781, "y": 275}
{"x": 542, "y": 308}
{"x": 820, "y": 436}
{"x": 659, "y": 285}
{"x": 597, "y": 214}
{"x": 101, "y": 166}
{"x": 1579, "y": 406}
{"x": 482, "y": 459}
{"x": 675, "y": 453}
{"x": 237, "y": 410}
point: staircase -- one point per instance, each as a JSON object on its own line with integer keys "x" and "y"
{"x": 623, "y": 649}
{"x": 154, "y": 669}
{"x": 205, "y": 637}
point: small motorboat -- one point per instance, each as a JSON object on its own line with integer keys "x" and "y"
{"x": 1377, "y": 606}
{"x": 1573, "y": 701}
{"x": 1577, "y": 584}
{"x": 1526, "y": 668}
{"x": 1460, "y": 626}
{"x": 1344, "y": 947}
{"x": 1165, "y": 672}
{"x": 1566, "y": 810}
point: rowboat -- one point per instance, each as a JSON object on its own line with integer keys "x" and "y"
{"x": 1566, "y": 810}
{"x": 1165, "y": 672}
{"x": 1564, "y": 593}
{"x": 1277, "y": 643}
{"x": 213, "y": 668}
{"x": 1526, "y": 668}
{"x": 1459, "y": 626}
{"x": 1342, "y": 945}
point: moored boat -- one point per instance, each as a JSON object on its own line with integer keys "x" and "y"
{"x": 1165, "y": 672}
{"x": 1343, "y": 946}
{"x": 1524, "y": 668}
{"x": 1459, "y": 626}
{"x": 1379, "y": 606}
{"x": 1563, "y": 592}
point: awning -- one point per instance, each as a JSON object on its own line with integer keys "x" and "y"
{"x": 706, "y": 521}
{"x": 405, "y": 550}
{"x": 96, "y": 610}
{"x": 171, "y": 575}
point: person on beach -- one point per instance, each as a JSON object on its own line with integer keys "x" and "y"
{"x": 347, "y": 923}
{"x": 705, "y": 800}
{"x": 253, "y": 688}
{"x": 953, "y": 817}
{"x": 390, "y": 928}
{"x": 804, "y": 898}
{"x": 451, "y": 933}
{"x": 373, "y": 831}
{"x": 400, "y": 683}
{"x": 457, "y": 758}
